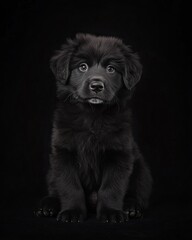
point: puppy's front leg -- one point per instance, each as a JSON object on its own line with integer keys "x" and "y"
{"x": 114, "y": 184}
{"x": 69, "y": 188}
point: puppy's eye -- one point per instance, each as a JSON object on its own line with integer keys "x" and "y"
{"x": 83, "y": 67}
{"x": 110, "y": 69}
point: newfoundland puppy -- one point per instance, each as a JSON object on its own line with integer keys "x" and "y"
{"x": 95, "y": 163}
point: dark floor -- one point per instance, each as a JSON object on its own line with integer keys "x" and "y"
{"x": 165, "y": 221}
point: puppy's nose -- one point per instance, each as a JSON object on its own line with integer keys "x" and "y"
{"x": 96, "y": 86}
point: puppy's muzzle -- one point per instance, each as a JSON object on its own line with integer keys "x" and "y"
{"x": 96, "y": 86}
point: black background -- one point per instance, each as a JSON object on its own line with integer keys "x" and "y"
{"x": 32, "y": 31}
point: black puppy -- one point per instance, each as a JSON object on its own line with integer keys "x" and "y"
{"x": 95, "y": 161}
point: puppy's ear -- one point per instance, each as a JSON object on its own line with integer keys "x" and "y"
{"x": 133, "y": 68}
{"x": 59, "y": 63}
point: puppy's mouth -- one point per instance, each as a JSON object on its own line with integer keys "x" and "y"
{"x": 91, "y": 100}
{"x": 95, "y": 100}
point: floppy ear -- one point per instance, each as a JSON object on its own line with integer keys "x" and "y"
{"x": 133, "y": 68}
{"x": 59, "y": 63}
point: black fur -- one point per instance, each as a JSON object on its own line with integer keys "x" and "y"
{"x": 95, "y": 162}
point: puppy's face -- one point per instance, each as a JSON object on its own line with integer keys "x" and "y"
{"x": 94, "y": 69}
{"x": 96, "y": 72}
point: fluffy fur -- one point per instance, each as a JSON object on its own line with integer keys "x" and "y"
{"x": 95, "y": 163}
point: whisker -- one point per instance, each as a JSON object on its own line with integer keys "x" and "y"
{"x": 68, "y": 96}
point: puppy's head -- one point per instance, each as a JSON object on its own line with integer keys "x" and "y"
{"x": 94, "y": 69}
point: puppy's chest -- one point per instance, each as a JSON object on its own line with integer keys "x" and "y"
{"x": 92, "y": 135}
{"x": 89, "y": 164}
{"x": 90, "y": 143}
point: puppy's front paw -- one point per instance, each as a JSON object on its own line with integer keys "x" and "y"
{"x": 133, "y": 213}
{"x": 48, "y": 207}
{"x": 72, "y": 216}
{"x": 109, "y": 215}
{"x": 132, "y": 209}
